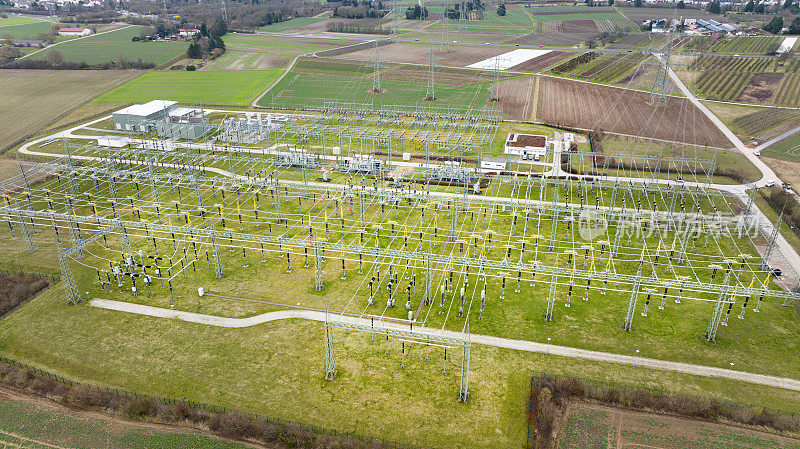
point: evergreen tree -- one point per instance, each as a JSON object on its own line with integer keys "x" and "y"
{"x": 501, "y": 10}
{"x": 750, "y": 7}
{"x": 775, "y": 25}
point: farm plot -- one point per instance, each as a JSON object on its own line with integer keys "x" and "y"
{"x": 722, "y": 85}
{"x": 542, "y": 62}
{"x": 594, "y": 426}
{"x": 605, "y": 68}
{"x": 516, "y": 21}
{"x": 590, "y": 106}
{"x": 290, "y": 24}
{"x": 762, "y": 120}
{"x": 25, "y": 30}
{"x": 114, "y": 45}
{"x": 788, "y": 93}
{"x": 252, "y": 52}
{"x": 754, "y": 45}
{"x": 408, "y": 53}
{"x": 33, "y": 423}
{"x": 761, "y": 88}
{"x": 31, "y": 99}
{"x": 209, "y": 87}
{"x": 13, "y": 20}
{"x": 551, "y": 39}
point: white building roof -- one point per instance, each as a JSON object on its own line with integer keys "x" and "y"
{"x": 148, "y": 108}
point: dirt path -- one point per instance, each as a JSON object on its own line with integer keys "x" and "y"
{"x": 520, "y": 345}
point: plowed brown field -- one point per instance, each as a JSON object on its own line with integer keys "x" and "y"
{"x": 591, "y": 106}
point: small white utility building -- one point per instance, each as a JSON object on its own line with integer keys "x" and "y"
{"x": 492, "y": 163}
{"x": 526, "y": 145}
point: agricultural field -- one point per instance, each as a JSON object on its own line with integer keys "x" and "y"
{"x": 589, "y": 106}
{"x": 594, "y": 426}
{"x": 255, "y": 52}
{"x": 763, "y": 120}
{"x": 31, "y": 99}
{"x": 415, "y": 53}
{"x": 14, "y": 20}
{"x": 788, "y": 93}
{"x": 750, "y": 80}
{"x": 38, "y": 423}
{"x": 206, "y": 86}
{"x": 24, "y": 30}
{"x": 600, "y": 68}
{"x": 314, "y": 81}
{"x": 114, "y": 45}
{"x": 289, "y": 25}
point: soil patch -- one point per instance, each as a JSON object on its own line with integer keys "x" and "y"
{"x": 761, "y": 88}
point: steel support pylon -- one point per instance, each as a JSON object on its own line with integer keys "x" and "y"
{"x": 463, "y": 392}
{"x": 70, "y": 287}
{"x": 330, "y": 357}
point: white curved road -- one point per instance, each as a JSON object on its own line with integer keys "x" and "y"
{"x": 520, "y": 345}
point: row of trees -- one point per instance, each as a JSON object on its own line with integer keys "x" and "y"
{"x": 355, "y": 10}
{"x": 776, "y": 25}
{"x": 416, "y": 13}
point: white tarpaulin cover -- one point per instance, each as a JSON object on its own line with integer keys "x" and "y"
{"x": 510, "y": 59}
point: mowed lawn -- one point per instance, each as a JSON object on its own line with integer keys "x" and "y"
{"x": 114, "y": 45}
{"x": 30, "y": 99}
{"x": 210, "y": 87}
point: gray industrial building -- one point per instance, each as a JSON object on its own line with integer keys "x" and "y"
{"x": 167, "y": 118}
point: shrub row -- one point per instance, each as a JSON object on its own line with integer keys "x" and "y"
{"x": 229, "y": 424}
{"x": 41, "y": 64}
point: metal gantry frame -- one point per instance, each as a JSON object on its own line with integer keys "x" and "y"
{"x": 90, "y": 207}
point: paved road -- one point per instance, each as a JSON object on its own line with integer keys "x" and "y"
{"x": 767, "y": 174}
{"x": 777, "y": 139}
{"x": 520, "y": 345}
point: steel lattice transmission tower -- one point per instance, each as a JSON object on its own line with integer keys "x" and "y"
{"x": 376, "y": 71}
{"x": 659, "y": 92}
{"x": 495, "y": 94}
{"x": 224, "y": 12}
{"x": 430, "y": 95}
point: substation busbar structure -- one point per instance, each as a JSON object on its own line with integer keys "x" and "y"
{"x": 90, "y": 207}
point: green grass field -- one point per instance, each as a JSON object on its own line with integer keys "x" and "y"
{"x": 24, "y": 31}
{"x": 210, "y": 87}
{"x": 113, "y": 45}
{"x": 12, "y": 20}
{"x": 25, "y": 424}
{"x": 289, "y": 24}
{"x": 277, "y": 369}
{"x": 254, "y": 52}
